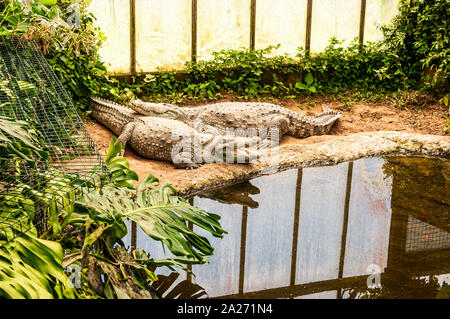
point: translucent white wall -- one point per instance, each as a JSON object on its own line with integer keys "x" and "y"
{"x": 334, "y": 18}
{"x": 369, "y": 218}
{"x": 269, "y": 243}
{"x": 163, "y": 28}
{"x": 378, "y": 12}
{"x": 281, "y": 22}
{"x": 163, "y": 34}
{"x": 222, "y": 24}
{"x": 320, "y": 223}
{"x": 221, "y": 276}
{"x": 113, "y": 17}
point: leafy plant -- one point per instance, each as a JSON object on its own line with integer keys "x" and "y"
{"x": 32, "y": 268}
{"x": 308, "y": 85}
{"x": 17, "y": 140}
{"x": 71, "y": 50}
{"x": 113, "y": 271}
{"x": 418, "y": 37}
{"x": 119, "y": 168}
{"x": 161, "y": 215}
{"x": 91, "y": 229}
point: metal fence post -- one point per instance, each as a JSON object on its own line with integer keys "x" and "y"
{"x": 194, "y": 31}
{"x": 362, "y": 21}
{"x": 308, "y": 26}
{"x": 133, "y": 37}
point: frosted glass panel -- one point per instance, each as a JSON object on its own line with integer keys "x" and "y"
{"x": 163, "y": 34}
{"x": 281, "y": 22}
{"x": 320, "y": 223}
{"x": 221, "y": 276}
{"x": 334, "y": 18}
{"x": 113, "y": 17}
{"x": 222, "y": 24}
{"x": 378, "y": 12}
{"x": 320, "y": 295}
{"x": 270, "y": 233}
{"x": 163, "y": 28}
{"x": 369, "y": 219}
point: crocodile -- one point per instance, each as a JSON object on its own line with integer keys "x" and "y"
{"x": 218, "y": 118}
{"x": 171, "y": 140}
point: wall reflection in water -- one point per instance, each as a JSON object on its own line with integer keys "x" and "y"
{"x": 319, "y": 232}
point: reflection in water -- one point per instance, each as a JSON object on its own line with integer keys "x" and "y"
{"x": 320, "y": 232}
{"x": 238, "y": 194}
{"x": 185, "y": 289}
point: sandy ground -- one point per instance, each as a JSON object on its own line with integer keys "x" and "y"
{"x": 360, "y": 117}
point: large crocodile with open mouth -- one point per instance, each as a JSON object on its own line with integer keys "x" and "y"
{"x": 171, "y": 140}
{"x": 219, "y": 118}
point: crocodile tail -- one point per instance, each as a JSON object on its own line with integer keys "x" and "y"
{"x": 320, "y": 124}
{"x": 111, "y": 114}
{"x": 324, "y": 122}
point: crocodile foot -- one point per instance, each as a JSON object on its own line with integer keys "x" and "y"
{"x": 187, "y": 165}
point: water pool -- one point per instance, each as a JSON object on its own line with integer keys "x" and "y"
{"x": 374, "y": 227}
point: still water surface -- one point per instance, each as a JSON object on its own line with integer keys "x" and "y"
{"x": 326, "y": 232}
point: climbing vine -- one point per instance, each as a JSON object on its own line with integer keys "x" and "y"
{"x": 413, "y": 55}
{"x": 68, "y": 38}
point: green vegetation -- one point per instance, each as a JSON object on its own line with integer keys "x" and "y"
{"x": 418, "y": 38}
{"x": 86, "y": 229}
{"x": 252, "y": 74}
{"x": 32, "y": 268}
{"x": 413, "y": 56}
{"x": 70, "y": 50}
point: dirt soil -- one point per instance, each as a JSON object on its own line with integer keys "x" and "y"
{"x": 360, "y": 117}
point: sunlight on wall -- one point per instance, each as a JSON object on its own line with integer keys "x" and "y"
{"x": 163, "y": 34}
{"x": 163, "y": 28}
{"x": 281, "y": 22}
{"x": 113, "y": 17}
{"x": 334, "y": 18}
{"x": 222, "y": 24}
{"x": 378, "y": 13}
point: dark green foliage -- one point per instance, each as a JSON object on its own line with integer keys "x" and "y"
{"x": 90, "y": 229}
{"x": 71, "y": 51}
{"x": 362, "y": 67}
{"x": 413, "y": 55}
{"x": 418, "y": 36}
{"x": 251, "y": 74}
{"x": 18, "y": 141}
{"x": 163, "y": 216}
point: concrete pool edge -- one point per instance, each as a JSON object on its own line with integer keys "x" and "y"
{"x": 336, "y": 150}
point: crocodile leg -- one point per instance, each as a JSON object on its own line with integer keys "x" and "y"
{"x": 184, "y": 160}
{"x": 278, "y": 126}
{"x": 206, "y": 129}
{"x": 126, "y": 135}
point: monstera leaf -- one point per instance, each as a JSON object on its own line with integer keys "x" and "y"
{"x": 159, "y": 212}
{"x": 31, "y": 268}
{"x": 121, "y": 174}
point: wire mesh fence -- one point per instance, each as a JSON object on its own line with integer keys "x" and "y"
{"x": 422, "y": 236}
{"x": 30, "y": 91}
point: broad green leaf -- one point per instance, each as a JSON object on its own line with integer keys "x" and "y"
{"x": 159, "y": 213}
{"x": 309, "y": 79}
